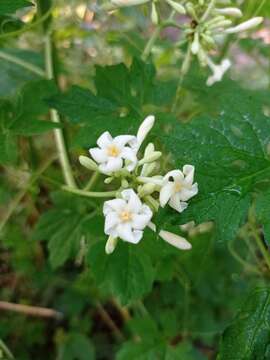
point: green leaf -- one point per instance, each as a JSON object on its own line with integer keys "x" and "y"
{"x": 230, "y": 155}
{"x": 10, "y": 6}
{"x": 248, "y": 337}
{"x": 128, "y": 273}
{"x": 76, "y": 347}
{"x": 70, "y": 221}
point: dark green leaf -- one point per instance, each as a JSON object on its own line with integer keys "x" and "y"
{"x": 248, "y": 337}
{"x": 76, "y": 347}
{"x": 10, "y": 6}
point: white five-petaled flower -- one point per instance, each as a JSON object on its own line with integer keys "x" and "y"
{"x": 177, "y": 188}
{"x": 126, "y": 218}
{"x": 113, "y": 151}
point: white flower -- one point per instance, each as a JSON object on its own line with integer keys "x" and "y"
{"x": 113, "y": 151}
{"x": 126, "y": 218}
{"x": 122, "y": 3}
{"x": 178, "y": 188}
{"x": 230, "y": 11}
{"x": 218, "y": 71}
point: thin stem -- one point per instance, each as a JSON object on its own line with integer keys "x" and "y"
{"x": 259, "y": 8}
{"x": 109, "y": 321}
{"x": 150, "y": 43}
{"x": 92, "y": 194}
{"x": 25, "y": 64}
{"x": 261, "y": 246}
{"x": 92, "y": 181}
{"x": 6, "y": 350}
{"x": 208, "y": 11}
{"x": 27, "y": 27}
{"x": 244, "y": 263}
{"x": 30, "y": 310}
{"x": 58, "y": 133}
{"x": 17, "y": 199}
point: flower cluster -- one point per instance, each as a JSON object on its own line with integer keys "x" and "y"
{"x": 204, "y": 22}
{"x": 142, "y": 190}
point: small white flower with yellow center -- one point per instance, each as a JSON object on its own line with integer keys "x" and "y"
{"x": 126, "y": 218}
{"x": 112, "y": 152}
{"x": 177, "y": 188}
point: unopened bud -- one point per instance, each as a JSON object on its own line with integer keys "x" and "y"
{"x": 177, "y": 7}
{"x": 123, "y": 3}
{"x": 111, "y": 245}
{"x": 175, "y": 240}
{"x": 108, "y": 180}
{"x": 151, "y": 158}
{"x": 150, "y": 148}
{"x": 247, "y": 25}
{"x": 88, "y": 163}
{"x": 195, "y": 46}
{"x": 144, "y": 129}
{"x": 146, "y": 189}
{"x": 148, "y": 169}
{"x": 230, "y": 11}
{"x": 154, "y": 14}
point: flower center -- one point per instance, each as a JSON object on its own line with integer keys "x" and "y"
{"x": 178, "y": 187}
{"x": 113, "y": 150}
{"x": 125, "y": 216}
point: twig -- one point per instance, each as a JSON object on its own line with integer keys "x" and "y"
{"x": 25, "y": 64}
{"x": 109, "y": 321}
{"x": 31, "y": 310}
{"x": 17, "y": 199}
{"x": 58, "y": 133}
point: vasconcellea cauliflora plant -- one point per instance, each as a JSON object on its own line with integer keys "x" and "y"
{"x": 135, "y": 179}
{"x": 131, "y": 211}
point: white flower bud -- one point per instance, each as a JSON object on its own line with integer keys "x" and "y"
{"x": 123, "y": 3}
{"x": 108, "y": 180}
{"x": 245, "y": 25}
{"x": 111, "y": 245}
{"x": 177, "y": 7}
{"x": 144, "y": 129}
{"x": 150, "y": 148}
{"x": 150, "y": 158}
{"x": 175, "y": 240}
{"x": 88, "y": 163}
{"x": 230, "y": 11}
{"x": 220, "y": 24}
{"x": 148, "y": 169}
{"x": 147, "y": 189}
{"x": 154, "y": 14}
{"x": 195, "y": 46}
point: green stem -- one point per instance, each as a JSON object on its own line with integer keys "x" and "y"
{"x": 261, "y": 246}
{"x": 58, "y": 133}
{"x": 25, "y": 64}
{"x": 92, "y": 194}
{"x": 27, "y": 27}
{"x": 150, "y": 43}
{"x": 92, "y": 181}
{"x": 208, "y": 11}
{"x": 17, "y": 199}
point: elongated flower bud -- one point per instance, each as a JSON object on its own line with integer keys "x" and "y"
{"x": 122, "y": 3}
{"x": 175, "y": 240}
{"x": 154, "y": 14}
{"x": 144, "y": 129}
{"x": 147, "y": 189}
{"x": 245, "y": 25}
{"x": 177, "y": 7}
{"x": 195, "y": 46}
{"x": 230, "y": 11}
{"x": 150, "y": 158}
{"x": 88, "y": 163}
{"x": 111, "y": 245}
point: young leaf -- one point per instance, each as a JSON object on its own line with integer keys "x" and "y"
{"x": 247, "y": 338}
{"x": 10, "y": 6}
{"x": 128, "y": 272}
{"x": 65, "y": 226}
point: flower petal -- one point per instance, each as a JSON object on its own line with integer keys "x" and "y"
{"x": 122, "y": 140}
{"x": 177, "y": 204}
{"x": 125, "y": 233}
{"x": 104, "y": 140}
{"x": 165, "y": 194}
{"x": 140, "y": 221}
{"x": 115, "y": 205}
{"x": 186, "y": 194}
{"x": 134, "y": 203}
{"x": 111, "y": 221}
{"x": 99, "y": 155}
{"x": 188, "y": 171}
{"x": 177, "y": 175}
{"x": 113, "y": 164}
